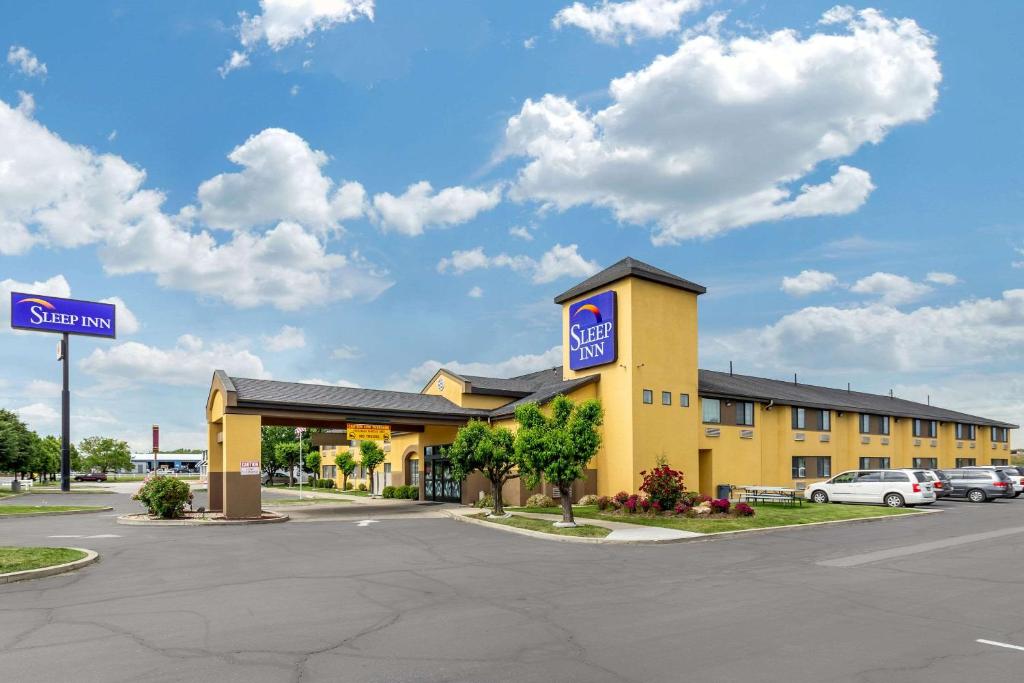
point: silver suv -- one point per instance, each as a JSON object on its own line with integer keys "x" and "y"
{"x": 980, "y": 485}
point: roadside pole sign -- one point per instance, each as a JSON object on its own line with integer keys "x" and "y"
{"x": 57, "y": 315}
{"x": 368, "y": 432}
{"x": 249, "y": 467}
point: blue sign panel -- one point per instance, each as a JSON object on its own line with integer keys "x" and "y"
{"x": 592, "y": 331}
{"x": 53, "y": 314}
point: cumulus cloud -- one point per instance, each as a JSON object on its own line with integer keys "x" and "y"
{"x": 21, "y": 58}
{"x": 190, "y": 362}
{"x": 287, "y": 338}
{"x": 127, "y": 323}
{"x": 41, "y": 388}
{"x": 557, "y": 262}
{"x": 722, "y": 133}
{"x": 893, "y": 289}
{"x": 416, "y": 377}
{"x": 475, "y": 293}
{"x": 613, "y": 21}
{"x": 942, "y": 278}
{"x": 54, "y": 286}
{"x": 38, "y": 415}
{"x": 26, "y": 103}
{"x": 521, "y": 232}
{"x": 809, "y": 282}
{"x": 237, "y": 60}
{"x": 346, "y": 352}
{"x": 419, "y": 207}
{"x": 99, "y": 199}
{"x": 326, "y": 383}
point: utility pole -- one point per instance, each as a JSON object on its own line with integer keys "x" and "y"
{"x": 65, "y": 420}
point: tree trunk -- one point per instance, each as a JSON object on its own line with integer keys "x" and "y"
{"x": 565, "y": 495}
{"x": 499, "y": 508}
{"x": 344, "y": 480}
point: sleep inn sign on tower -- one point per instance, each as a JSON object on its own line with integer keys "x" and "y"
{"x": 592, "y": 331}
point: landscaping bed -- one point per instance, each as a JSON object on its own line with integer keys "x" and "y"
{"x": 23, "y": 559}
{"x": 16, "y": 510}
{"x": 545, "y": 526}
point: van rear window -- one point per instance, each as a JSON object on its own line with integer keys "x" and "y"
{"x": 921, "y": 476}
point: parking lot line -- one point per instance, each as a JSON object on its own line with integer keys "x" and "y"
{"x": 903, "y": 551}
{"x": 998, "y": 644}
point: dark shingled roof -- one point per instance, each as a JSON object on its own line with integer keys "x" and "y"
{"x": 345, "y": 398}
{"x": 495, "y": 386}
{"x": 724, "y": 385}
{"x": 624, "y": 268}
{"x": 545, "y": 393}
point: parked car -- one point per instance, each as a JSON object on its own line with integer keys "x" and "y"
{"x": 91, "y": 476}
{"x": 894, "y": 488}
{"x": 940, "y": 482}
{"x": 980, "y": 485}
{"x": 1015, "y": 474}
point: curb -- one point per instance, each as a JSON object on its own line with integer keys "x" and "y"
{"x": 54, "y": 514}
{"x": 90, "y": 557}
{"x": 145, "y": 520}
{"x": 530, "y": 532}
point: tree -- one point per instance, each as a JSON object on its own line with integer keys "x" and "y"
{"x": 270, "y": 463}
{"x": 481, "y": 447}
{"x": 15, "y": 443}
{"x": 46, "y": 457}
{"x": 288, "y": 453}
{"x": 557, "y": 449}
{"x": 313, "y": 462}
{"x": 105, "y": 453}
{"x": 271, "y": 458}
{"x": 346, "y": 465}
{"x": 371, "y": 456}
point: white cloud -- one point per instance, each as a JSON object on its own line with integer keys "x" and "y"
{"x": 415, "y": 378}
{"x": 613, "y": 21}
{"x": 995, "y": 395}
{"x": 41, "y": 388}
{"x": 942, "y": 278}
{"x": 722, "y": 134}
{"x": 1015, "y": 264}
{"x": 881, "y": 337}
{"x": 237, "y": 60}
{"x": 326, "y": 383}
{"x": 38, "y": 415}
{"x": 475, "y": 259}
{"x": 893, "y": 289}
{"x": 557, "y": 262}
{"x": 809, "y": 282}
{"x": 475, "y": 293}
{"x": 98, "y": 199}
{"x": 54, "y": 286}
{"x": 419, "y": 207}
{"x": 26, "y": 103}
{"x": 286, "y": 339}
{"x": 190, "y": 362}
{"x": 27, "y": 63}
{"x": 112, "y": 136}
{"x": 346, "y": 352}
{"x": 294, "y": 90}
{"x": 521, "y": 232}
{"x": 530, "y": 43}
{"x": 281, "y": 180}
{"x": 127, "y": 323}
{"x": 562, "y": 261}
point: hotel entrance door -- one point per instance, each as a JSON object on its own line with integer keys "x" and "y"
{"x": 438, "y": 483}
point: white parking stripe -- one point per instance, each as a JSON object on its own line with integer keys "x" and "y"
{"x": 903, "y": 551}
{"x": 998, "y": 644}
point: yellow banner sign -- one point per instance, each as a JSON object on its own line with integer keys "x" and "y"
{"x": 362, "y": 432}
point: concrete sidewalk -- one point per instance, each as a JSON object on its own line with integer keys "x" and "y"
{"x": 622, "y": 531}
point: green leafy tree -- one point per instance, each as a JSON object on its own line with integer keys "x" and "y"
{"x": 313, "y": 463}
{"x": 287, "y": 453}
{"x": 15, "y": 443}
{"x": 484, "y": 448}
{"x": 346, "y": 465}
{"x": 46, "y": 457}
{"x": 105, "y": 453}
{"x": 557, "y": 449}
{"x": 371, "y": 456}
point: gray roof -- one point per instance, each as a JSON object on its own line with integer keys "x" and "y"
{"x": 625, "y": 268}
{"x": 724, "y": 385}
{"x": 341, "y": 399}
{"x": 545, "y": 393}
{"x": 496, "y": 386}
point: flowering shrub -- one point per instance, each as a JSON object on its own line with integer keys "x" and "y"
{"x": 539, "y": 500}
{"x": 621, "y": 497}
{"x": 164, "y": 496}
{"x": 589, "y": 499}
{"x": 663, "y": 484}
{"x": 656, "y": 506}
{"x": 743, "y": 510}
{"x": 603, "y": 503}
{"x": 630, "y": 503}
{"x": 645, "y": 504}
{"x": 682, "y": 508}
{"x": 720, "y": 505}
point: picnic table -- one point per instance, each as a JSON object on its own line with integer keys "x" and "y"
{"x": 771, "y": 494}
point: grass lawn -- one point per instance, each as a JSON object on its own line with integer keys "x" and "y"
{"x": 765, "y": 516}
{"x": 310, "y": 489}
{"x": 21, "y": 559}
{"x": 544, "y": 526}
{"x": 12, "y": 510}
{"x": 74, "y": 491}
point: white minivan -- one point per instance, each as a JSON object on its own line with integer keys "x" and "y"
{"x": 894, "y": 488}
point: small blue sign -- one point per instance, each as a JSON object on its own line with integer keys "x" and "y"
{"x": 53, "y": 314}
{"x": 592, "y": 331}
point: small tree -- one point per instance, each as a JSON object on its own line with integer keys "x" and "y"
{"x": 480, "y": 447}
{"x": 557, "y": 449}
{"x": 270, "y": 463}
{"x": 104, "y": 453}
{"x": 346, "y": 465}
{"x": 371, "y": 456}
{"x": 288, "y": 453}
{"x": 313, "y": 463}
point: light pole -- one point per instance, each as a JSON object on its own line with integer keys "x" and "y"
{"x": 298, "y": 435}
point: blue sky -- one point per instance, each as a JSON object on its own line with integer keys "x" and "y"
{"x": 410, "y": 184}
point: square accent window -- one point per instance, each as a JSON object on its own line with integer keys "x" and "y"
{"x": 684, "y": 400}
{"x": 648, "y": 396}
{"x": 666, "y": 398}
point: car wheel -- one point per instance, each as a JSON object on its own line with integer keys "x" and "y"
{"x": 894, "y": 500}
{"x": 976, "y": 496}
{"x": 1017, "y": 494}
{"x": 819, "y": 497}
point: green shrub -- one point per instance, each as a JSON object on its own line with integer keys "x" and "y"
{"x": 348, "y": 486}
{"x": 588, "y": 500}
{"x": 487, "y": 501}
{"x": 539, "y": 500}
{"x": 164, "y": 496}
{"x": 409, "y": 492}
{"x": 324, "y": 483}
{"x": 388, "y": 492}
{"x": 362, "y": 487}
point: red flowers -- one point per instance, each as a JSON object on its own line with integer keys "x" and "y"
{"x": 720, "y": 505}
{"x": 663, "y": 484}
{"x": 743, "y": 510}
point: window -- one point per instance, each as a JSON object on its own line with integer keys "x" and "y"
{"x": 648, "y": 396}
{"x": 1000, "y": 434}
{"x": 959, "y": 430}
{"x": 745, "y": 414}
{"x": 863, "y": 477}
{"x": 865, "y": 423}
{"x": 330, "y": 471}
{"x": 874, "y": 463}
{"x": 971, "y": 432}
{"x": 684, "y": 400}
{"x": 666, "y": 398}
{"x": 845, "y": 478}
{"x": 966, "y": 462}
{"x": 812, "y": 418}
{"x": 804, "y": 466}
{"x": 925, "y": 463}
{"x": 414, "y": 472}
{"x": 1000, "y": 461}
{"x": 711, "y": 410}
{"x": 895, "y": 476}
{"x": 825, "y": 422}
{"x": 917, "y": 427}
{"x": 799, "y": 418}
{"x": 885, "y": 425}
{"x": 933, "y": 428}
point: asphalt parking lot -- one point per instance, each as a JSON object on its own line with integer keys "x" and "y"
{"x": 418, "y": 597}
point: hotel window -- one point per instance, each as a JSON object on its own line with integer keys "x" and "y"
{"x": 874, "y": 463}
{"x": 745, "y": 414}
{"x": 799, "y": 418}
{"x": 966, "y": 462}
{"x": 1000, "y": 462}
{"x": 414, "y": 472}
{"x": 959, "y": 430}
{"x": 684, "y": 400}
{"x": 812, "y": 418}
{"x": 917, "y": 427}
{"x": 925, "y": 463}
{"x": 885, "y": 425}
{"x": 666, "y": 398}
{"x": 711, "y": 410}
{"x": 972, "y": 432}
{"x": 1000, "y": 434}
{"x": 804, "y": 466}
{"x": 933, "y": 428}
{"x": 330, "y": 471}
{"x": 825, "y": 421}
{"x": 865, "y": 423}
{"x": 648, "y": 396}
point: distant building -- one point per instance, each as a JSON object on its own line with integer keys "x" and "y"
{"x": 143, "y": 462}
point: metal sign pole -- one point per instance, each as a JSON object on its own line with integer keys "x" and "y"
{"x": 65, "y": 422}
